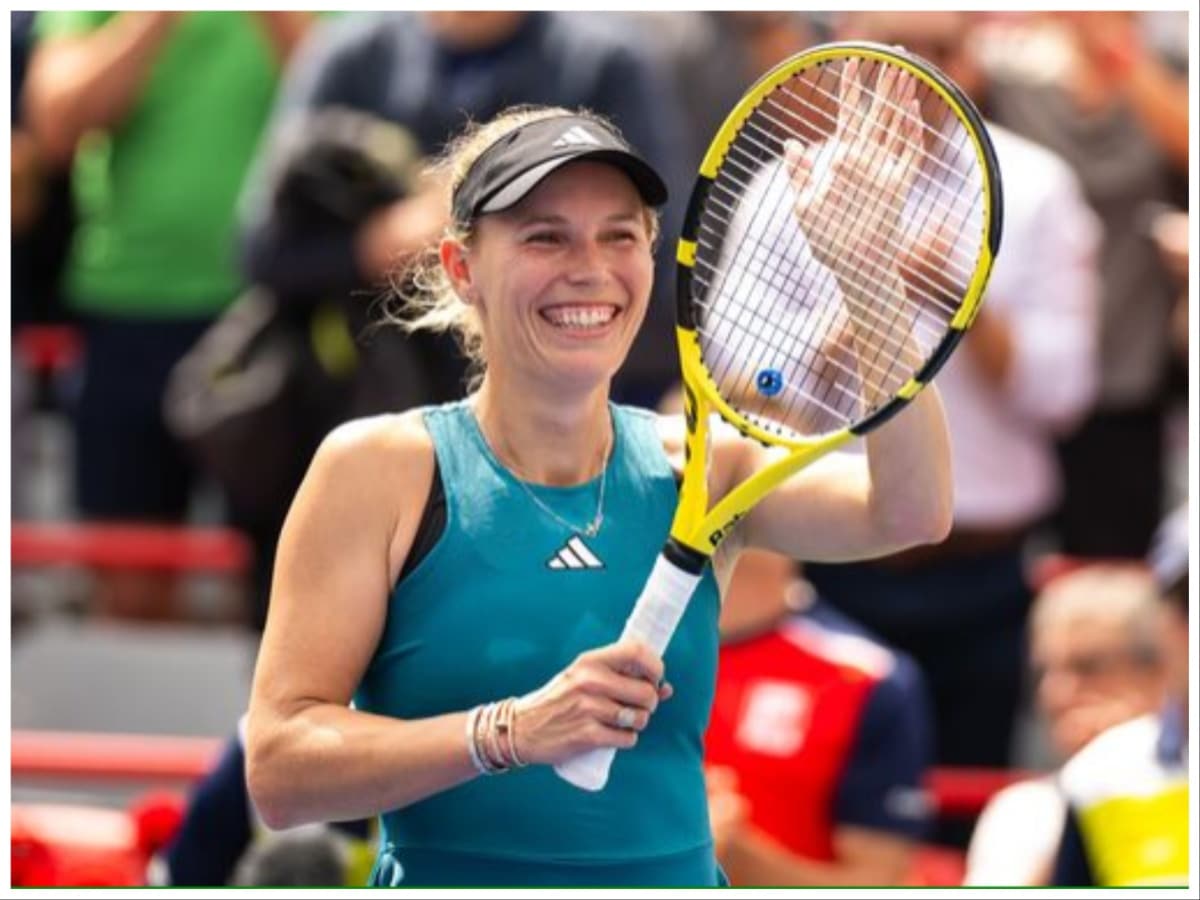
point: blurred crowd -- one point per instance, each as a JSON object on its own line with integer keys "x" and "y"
{"x": 215, "y": 203}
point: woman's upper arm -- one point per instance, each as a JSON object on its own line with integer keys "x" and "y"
{"x": 342, "y": 545}
{"x": 821, "y": 513}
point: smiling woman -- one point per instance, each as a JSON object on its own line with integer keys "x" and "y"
{"x": 452, "y": 569}
{"x": 425, "y": 298}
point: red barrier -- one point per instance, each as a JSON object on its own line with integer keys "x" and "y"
{"x": 220, "y": 550}
{"x": 117, "y": 757}
{"x": 963, "y": 792}
{"x": 957, "y": 792}
{"x": 61, "y": 845}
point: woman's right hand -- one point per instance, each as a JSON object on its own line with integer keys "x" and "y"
{"x": 602, "y": 699}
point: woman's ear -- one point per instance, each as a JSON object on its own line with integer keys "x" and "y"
{"x": 453, "y": 256}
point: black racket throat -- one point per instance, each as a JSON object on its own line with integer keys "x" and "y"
{"x": 684, "y": 557}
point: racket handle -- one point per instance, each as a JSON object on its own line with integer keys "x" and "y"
{"x": 653, "y": 621}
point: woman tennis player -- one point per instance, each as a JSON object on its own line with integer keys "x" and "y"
{"x": 452, "y": 570}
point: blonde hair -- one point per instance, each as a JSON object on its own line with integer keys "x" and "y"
{"x": 423, "y": 299}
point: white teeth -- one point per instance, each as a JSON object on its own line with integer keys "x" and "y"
{"x": 579, "y": 316}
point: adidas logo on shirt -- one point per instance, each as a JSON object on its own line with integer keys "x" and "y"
{"x": 576, "y": 135}
{"x": 574, "y": 555}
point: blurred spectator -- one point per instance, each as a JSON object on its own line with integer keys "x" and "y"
{"x": 40, "y": 220}
{"x": 818, "y": 743}
{"x": 1026, "y": 370}
{"x": 41, "y": 204}
{"x": 715, "y": 57}
{"x": 768, "y": 38}
{"x": 1170, "y": 230}
{"x": 429, "y": 72}
{"x": 1098, "y": 95}
{"x": 710, "y": 67}
{"x": 263, "y": 387}
{"x": 308, "y": 856}
{"x": 1094, "y": 648}
{"x": 1127, "y": 790}
{"x": 159, "y": 113}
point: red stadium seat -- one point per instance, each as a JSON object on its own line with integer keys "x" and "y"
{"x": 48, "y": 349}
{"x": 58, "y": 845}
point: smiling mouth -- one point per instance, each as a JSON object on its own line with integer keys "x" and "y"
{"x": 591, "y": 317}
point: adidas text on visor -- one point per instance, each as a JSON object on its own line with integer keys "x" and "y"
{"x": 516, "y": 163}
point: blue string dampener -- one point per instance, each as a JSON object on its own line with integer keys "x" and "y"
{"x": 769, "y": 382}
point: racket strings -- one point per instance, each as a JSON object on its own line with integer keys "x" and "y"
{"x": 928, "y": 159}
{"x": 737, "y": 378}
{"x": 852, "y": 407}
{"x": 928, "y": 331}
{"x": 837, "y": 414}
{"x": 750, "y": 321}
{"x": 950, "y": 171}
{"x": 851, "y": 373}
{"x": 959, "y": 216}
{"x": 924, "y": 291}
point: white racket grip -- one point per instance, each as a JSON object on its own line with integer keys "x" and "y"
{"x": 653, "y": 620}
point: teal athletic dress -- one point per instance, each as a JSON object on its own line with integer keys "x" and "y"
{"x": 504, "y": 600}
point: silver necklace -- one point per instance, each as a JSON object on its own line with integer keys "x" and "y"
{"x": 593, "y": 527}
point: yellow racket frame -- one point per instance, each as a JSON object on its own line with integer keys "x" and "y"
{"x": 695, "y": 526}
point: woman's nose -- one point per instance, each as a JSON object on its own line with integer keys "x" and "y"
{"x": 586, "y": 262}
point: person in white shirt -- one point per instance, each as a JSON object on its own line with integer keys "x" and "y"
{"x": 1097, "y": 661}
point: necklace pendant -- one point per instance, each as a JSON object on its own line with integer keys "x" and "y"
{"x": 593, "y": 528}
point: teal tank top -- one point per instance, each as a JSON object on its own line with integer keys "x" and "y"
{"x": 503, "y": 601}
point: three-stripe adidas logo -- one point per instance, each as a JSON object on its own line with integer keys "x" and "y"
{"x": 574, "y": 555}
{"x": 575, "y": 135}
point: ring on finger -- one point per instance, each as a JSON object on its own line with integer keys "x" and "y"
{"x": 626, "y": 717}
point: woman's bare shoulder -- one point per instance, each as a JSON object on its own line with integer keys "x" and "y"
{"x": 386, "y": 434}
{"x": 385, "y": 457}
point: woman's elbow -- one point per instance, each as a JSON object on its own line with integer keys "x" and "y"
{"x": 926, "y": 521}
{"x": 934, "y": 526}
{"x": 267, "y": 785}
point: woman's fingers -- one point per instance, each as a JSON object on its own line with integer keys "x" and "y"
{"x": 850, "y": 118}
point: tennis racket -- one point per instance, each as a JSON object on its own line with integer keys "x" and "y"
{"x": 835, "y": 249}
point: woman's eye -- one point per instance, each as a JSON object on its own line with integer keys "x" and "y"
{"x": 622, "y": 237}
{"x": 543, "y": 237}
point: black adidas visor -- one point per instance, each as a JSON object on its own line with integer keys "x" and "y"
{"x": 515, "y": 164}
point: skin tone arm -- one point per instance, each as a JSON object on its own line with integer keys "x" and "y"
{"x": 1118, "y": 61}
{"x": 402, "y": 228}
{"x": 285, "y": 29}
{"x": 312, "y": 758}
{"x": 91, "y": 81}
{"x": 309, "y": 755}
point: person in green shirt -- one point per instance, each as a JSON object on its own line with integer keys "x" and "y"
{"x": 158, "y": 114}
